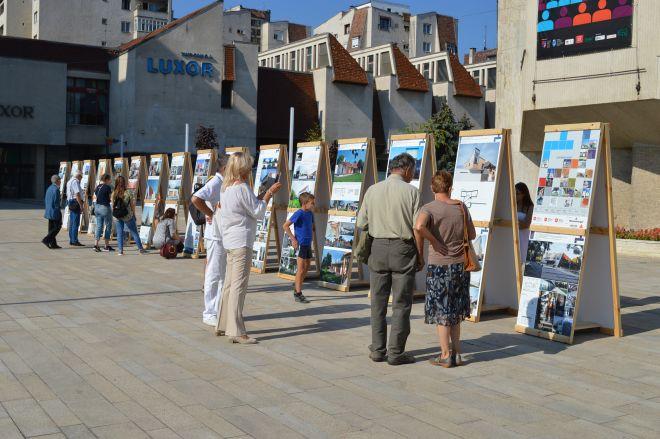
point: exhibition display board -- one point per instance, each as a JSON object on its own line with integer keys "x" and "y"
{"x": 137, "y": 177}
{"x": 422, "y": 148}
{"x": 104, "y": 166}
{"x": 570, "y": 280}
{"x": 76, "y": 166}
{"x": 272, "y": 164}
{"x": 120, "y": 167}
{"x": 87, "y": 186}
{"x": 179, "y": 183}
{"x": 483, "y": 181}
{"x": 355, "y": 171}
{"x": 64, "y": 173}
{"x": 153, "y": 199}
{"x": 202, "y": 172}
{"x": 311, "y": 173}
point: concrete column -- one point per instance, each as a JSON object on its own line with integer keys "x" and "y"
{"x": 39, "y": 172}
{"x": 645, "y": 181}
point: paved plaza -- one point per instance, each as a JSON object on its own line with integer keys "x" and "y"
{"x": 96, "y": 345}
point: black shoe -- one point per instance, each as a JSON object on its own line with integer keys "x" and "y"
{"x": 77, "y": 244}
{"x": 54, "y": 246}
{"x": 377, "y": 357}
{"x": 300, "y": 298}
{"x": 97, "y": 249}
{"x": 108, "y": 248}
{"x": 404, "y": 358}
{"x": 46, "y": 243}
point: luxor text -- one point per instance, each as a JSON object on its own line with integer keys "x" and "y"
{"x": 179, "y": 67}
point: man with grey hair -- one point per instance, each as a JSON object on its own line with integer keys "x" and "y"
{"x": 53, "y": 213}
{"x": 206, "y": 200}
{"x": 388, "y": 211}
{"x": 75, "y": 204}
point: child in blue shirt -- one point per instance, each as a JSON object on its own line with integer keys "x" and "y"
{"x": 303, "y": 225}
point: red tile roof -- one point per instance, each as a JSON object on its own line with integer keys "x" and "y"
{"x": 481, "y": 56}
{"x": 136, "y": 42}
{"x": 358, "y": 27}
{"x": 464, "y": 84}
{"x": 408, "y": 76}
{"x": 75, "y": 56}
{"x": 346, "y": 68}
{"x": 297, "y": 32}
{"x": 230, "y": 70}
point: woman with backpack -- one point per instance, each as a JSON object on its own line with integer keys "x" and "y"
{"x": 123, "y": 208}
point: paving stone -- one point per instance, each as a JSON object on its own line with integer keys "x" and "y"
{"x": 124, "y": 431}
{"x": 77, "y": 432}
{"x": 9, "y": 430}
{"x": 257, "y": 424}
{"x": 29, "y": 417}
{"x": 59, "y": 413}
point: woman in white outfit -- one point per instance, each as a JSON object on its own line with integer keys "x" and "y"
{"x": 240, "y": 210}
{"x": 525, "y": 207}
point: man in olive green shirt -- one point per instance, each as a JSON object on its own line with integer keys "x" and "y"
{"x": 389, "y": 210}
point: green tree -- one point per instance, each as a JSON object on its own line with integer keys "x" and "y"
{"x": 206, "y": 138}
{"x": 445, "y": 129}
{"x": 314, "y": 133}
{"x": 327, "y": 260}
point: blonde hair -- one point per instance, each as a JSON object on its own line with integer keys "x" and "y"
{"x": 239, "y": 165}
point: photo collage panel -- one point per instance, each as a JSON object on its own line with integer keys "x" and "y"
{"x": 201, "y": 172}
{"x": 416, "y": 148}
{"x": 289, "y": 257}
{"x": 475, "y": 174}
{"x": 550, "y": 282}
{"x": 479, "y": 243}
{"x": 348, "y": 177}
{"x": 261, "y": 242}
{"x": 134, "y": 174}
{"x": 175, "y": 179}
{"x": 337, "y": 250}
{"x": 267, "y": 168}
{"x": 566, "y": 178}
{"x": 155, "y": 166}
{"x": 305, "y": 169}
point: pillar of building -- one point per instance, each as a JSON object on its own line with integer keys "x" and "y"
{"x": 645, "y": 210}
{"x": 39, "y": 172}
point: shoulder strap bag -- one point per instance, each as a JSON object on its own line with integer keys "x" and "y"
{"x": 471, "y": 259}
{"x": 362, "y": 249}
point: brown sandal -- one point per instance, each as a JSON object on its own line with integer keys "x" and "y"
{"x": 439, "y": 361}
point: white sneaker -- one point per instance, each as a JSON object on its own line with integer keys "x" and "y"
{"x": 211, "y": 321}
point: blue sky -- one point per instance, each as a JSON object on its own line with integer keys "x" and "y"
{"x": 473, "y": 15}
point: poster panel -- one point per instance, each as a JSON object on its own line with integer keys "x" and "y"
{"x": 101, "y": 170}
{"x": 337, "y": 250}
{"x": 416, "y": 148}
{"x": 304, "y": 173}
{"x": 266, "y": 168}
{"x": 288, "y": 257}
{"x": 575, "y": 27}
{"x": 175, "y": 178}
{"x": 566, "y": 177}
{"x": 475, "y": 174}
{"x": 202, "y": 165}
{"x": 87, "y": 169}
{"x": 260, "y": 246}
{"x": 118, "y": 167}
{"x": 550, "y": 282}
{"x": 62, "y": 173}
{"x": 134, "y": 174}
{"x": 348, "y": 176}
{"x": 480, "y": 244}
{"x": 153, "y": 178}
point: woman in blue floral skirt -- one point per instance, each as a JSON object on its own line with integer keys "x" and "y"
{"x": 442, "y": 222}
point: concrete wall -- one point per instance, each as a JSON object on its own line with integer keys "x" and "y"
{"x": 18, "y": 18}
{"x": 237, "y": 26}
{"x": 377, "y": 37}
{"x": 645, "y": 211}
{"x": 38, "y": 84}
{"x": 401, "y": 108}
{"x": 473, "y": 108}
{"x": 335, "y": 26}
{"x": 417, "y": 36}
{"x": 345, "y": 110}
{"x": 268, "y": 30}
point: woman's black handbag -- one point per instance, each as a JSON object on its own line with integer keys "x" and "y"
{"x": 74, "y": 206}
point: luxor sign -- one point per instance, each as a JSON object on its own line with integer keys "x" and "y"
{"x": 16, "y": 111}
{"x": 182, "y": 67}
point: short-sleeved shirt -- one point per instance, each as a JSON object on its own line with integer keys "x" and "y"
{"x": 164, "y": 232}
{"x": 73, "y": 188}
{"x": 210, "y": 193}
{"x": 102, "y": 193}
{"x": 446, "y": 224}
{"x": 303, "y": 220}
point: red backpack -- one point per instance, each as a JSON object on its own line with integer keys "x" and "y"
{"x": 168, "y": 250}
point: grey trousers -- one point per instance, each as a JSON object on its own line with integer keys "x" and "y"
{"x": 392, "y": 268}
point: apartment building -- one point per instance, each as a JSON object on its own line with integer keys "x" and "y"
{"x": 93, "y": 22}
{"x": 280, "y": 33}
{"x": 376, "y": 23}
{"x": 482, "y": 65}
{"x": 257, "y": 18}
{"x": 600, "y": 70}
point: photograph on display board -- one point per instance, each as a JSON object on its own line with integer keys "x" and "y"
{"x": 475, "y": 174}
{"x": 304, "y": 173}
{"x": 153, "y": 186}
{"x": 336, "y": 266}
{"x": 566, "y": 174}
{"x": 87, "y": 167}
{"x": 261, "y": 241}
{"x": 101, "y": 170}
{"x": 202, "y": 164}
{"x": 266, "y": 168}
{"x": 348, "y": 176}
{"x": 258, "y": 255}
{"x": 145, "y": 232}
{"x": 550, "y": 282}
{"x": 340, "y": 232}
{"x": 479, "y": 243}
{"x": 134, "y": 174}
{"x": 118, "y": 167}
{"x": 74, "y": 168}
{"x": 289, "y": 257}
{"x": 414, "y": 147}
{"x": 62, "y": 171}
{"x": 148, "y": 212}
{"x": 175, "y": 178}
{"x": 155, "y": 166}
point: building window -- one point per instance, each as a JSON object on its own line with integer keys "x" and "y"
{"x": 292, "y": 60}
{"x": 36, "y": 17}
{"x": 385, "y": 64}
{"x": 492, "y": 78}
{"x": 384, "y": 23}
{"x": 2, "y": 8}
{"x": 149, "y": 24}
{"x": 278, "y": 35}
{"x": 426, "y": 70}
{"x": 227, "y": 94}
{"x": 277, "y": 61}
{"x": 263, "y": 63}
{"x": 347, "y": 29}
{"x": 475, "y": 75}
{"x": 406, "y": 47}
{"x": 104, "y": 21}
{"x": 426, "y": 47}
{"x": 2, "y": 30}
{"x": 370, "y": 64}
{"x": 451, "y": 48}
{"x": 86, "y": 101}
{"x": 103, "y": 43}
{"x": 442, "y": 75}
{"x": 323, "y": 55}
{"x": 426, "y": 28}
{"x": 126, "y": 5}
{"x": 308, "y": 58}
{"x": 126, "y": 27}
{"x": 406, "y": 27}
{"x": 355, "y": 42}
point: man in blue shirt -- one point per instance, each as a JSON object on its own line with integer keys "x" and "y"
{"x": 301, "y": 240}
{"x": 53, "y": 213}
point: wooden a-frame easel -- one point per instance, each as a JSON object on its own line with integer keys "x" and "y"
{"x": 87, "y": 188}
{"x": 156, "y": 185}
{"x": 179, "y": 184}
